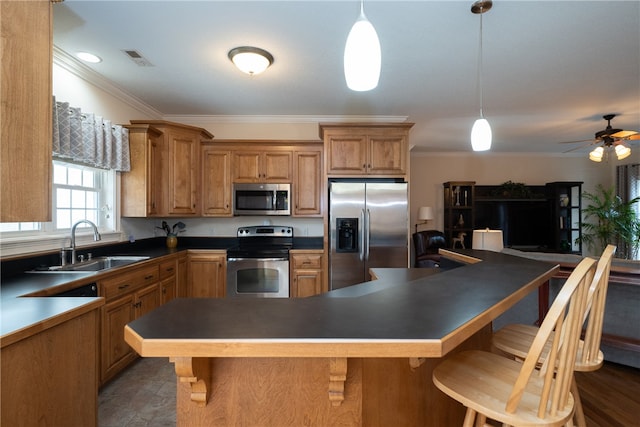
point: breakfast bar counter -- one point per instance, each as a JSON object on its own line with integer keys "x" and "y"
{"x": 362, "y": 355}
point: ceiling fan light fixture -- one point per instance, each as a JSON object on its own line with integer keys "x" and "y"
{"x": 481, "y": 134}
{"x": 362, "y": 55}
{"x": 597, "y": 154}
{"x": 622, "y": 151}
{"x": 250, "y": 60}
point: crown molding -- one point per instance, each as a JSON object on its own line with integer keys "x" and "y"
{"x": 191, "y": 118}
{"x": 77, "y": 68}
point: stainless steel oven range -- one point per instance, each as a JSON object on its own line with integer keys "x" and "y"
{"x": 259, "y": 265}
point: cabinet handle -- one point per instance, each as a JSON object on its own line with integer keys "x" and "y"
{"x": 123, "y": 286}
{"x": 148, "y": 277}
{"x": 170, "y": 269}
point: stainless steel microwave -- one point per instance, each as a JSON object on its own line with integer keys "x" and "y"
{"x": 261, "y": 199}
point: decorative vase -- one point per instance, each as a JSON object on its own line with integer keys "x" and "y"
{"x": 172, "y": 240}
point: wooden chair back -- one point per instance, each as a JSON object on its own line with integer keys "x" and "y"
{"x": 564, "y": 321}
{"x": 594, "y": 312}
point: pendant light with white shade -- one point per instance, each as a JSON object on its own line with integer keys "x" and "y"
{"x": 481, "y": 131}
{"x": 362, "y": 55}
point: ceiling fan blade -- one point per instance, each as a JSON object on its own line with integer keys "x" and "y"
{"x": 624, "y": 134}
{"x": 635, "y": 137}
{"x": 579, "y": 147}
{"x": 575, "y": 142}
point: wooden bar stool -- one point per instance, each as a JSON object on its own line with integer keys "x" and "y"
{"x": 515, "y": 339}
{"x": 516, "y": 393}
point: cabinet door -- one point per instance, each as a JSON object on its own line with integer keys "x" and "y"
{"x": 168, "y": 289}
{"x": 346, "y": 154}
{"x": 387, "y": 155}
{"x": 147, "y": 299}
{"x": 306, "y": 283}
{"x": 183, "y": 178}
{"x": 25, "y": 82}
{"x": 182, "y": 277}
{"x": 307, "y": 183}
{"x": 207, "y": 275}
{"x": 116, "y": 353}
{"x": 246, "y": 166}
{"x": 276, "y": 166}
{"x": 141, "y": 193}
{"x": 216, "y": 182}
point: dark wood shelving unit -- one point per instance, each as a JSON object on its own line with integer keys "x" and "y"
{"x": 459, "y": 219}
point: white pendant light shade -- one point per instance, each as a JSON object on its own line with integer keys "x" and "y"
{"x": 622, "y": 151}
{"x": 481, "y": 135}
{"x": 597, "y": 154}
{"x": 362, "y": 56}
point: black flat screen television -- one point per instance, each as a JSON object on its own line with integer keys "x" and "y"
{"x": 525, "y": 224}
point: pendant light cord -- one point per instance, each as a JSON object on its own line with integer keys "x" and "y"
{"x": 480, "y": 66}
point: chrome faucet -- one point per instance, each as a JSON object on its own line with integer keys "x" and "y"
{"x": 96, "y": 237}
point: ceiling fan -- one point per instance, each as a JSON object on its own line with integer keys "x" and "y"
{"x": 611, "y": 139}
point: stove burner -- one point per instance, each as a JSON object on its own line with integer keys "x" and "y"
{"x": 262, "y": 241}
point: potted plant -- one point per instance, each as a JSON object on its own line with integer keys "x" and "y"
{"x": 608, "y": 219}
{"x": 172, "y": 234}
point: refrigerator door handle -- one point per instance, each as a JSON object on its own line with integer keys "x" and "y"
{"x": 368, "y": 224}
{"x": 362, "y": 231}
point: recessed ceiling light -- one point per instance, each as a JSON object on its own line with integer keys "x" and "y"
{"x": 89, "y": 57}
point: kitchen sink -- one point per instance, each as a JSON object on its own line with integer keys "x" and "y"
{"x": 94, "y": 264}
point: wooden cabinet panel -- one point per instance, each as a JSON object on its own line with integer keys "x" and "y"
{"x": 307, "y": 274}
{"x": 307, "y": 183}
{"x": 147, "y": 299}
{"x": 116, "y": 353}
{"x": 183, "y": 178}
{"x": 182, "y": 276}
{"x": 124, "y": 283}
{"x": 346, "y": 154}
{"x": 141, "y": 190}
{"x": 375, "y": 149}
{"x": 26, "y": 110}
{"x": 262, "y": 166}
{"x": 207, "y": 274}
{"x": 216, "y": 182}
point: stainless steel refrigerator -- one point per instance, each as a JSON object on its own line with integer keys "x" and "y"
{"x": 368, "y": 228}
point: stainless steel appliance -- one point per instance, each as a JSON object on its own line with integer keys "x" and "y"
{"x": 261, "y": 199}
{"x": 368, "y": 228}
{"x": 259, "y": 265}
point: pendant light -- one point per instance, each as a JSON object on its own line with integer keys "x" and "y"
{"x": 362, "y": 55}
{"x": 481, "y": 130}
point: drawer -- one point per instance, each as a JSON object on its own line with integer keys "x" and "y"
{"x": 129, "y": 281}
{"x": 307, "y": 261}
{"x": 167, "y": 269}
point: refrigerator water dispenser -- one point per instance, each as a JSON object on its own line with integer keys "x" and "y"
{"x": 347, "y": 234}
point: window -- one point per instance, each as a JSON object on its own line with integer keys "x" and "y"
{"x": 79, "y": 192}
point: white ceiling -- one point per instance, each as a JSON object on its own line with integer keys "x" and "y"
{"x": 552, "y": 69}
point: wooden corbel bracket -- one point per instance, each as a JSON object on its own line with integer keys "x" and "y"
{"x": 337, "y": 378}
{"x": 196, "y": 372}
{"x": 416, "y": 362}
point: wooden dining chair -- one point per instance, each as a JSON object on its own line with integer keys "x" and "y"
{"x": 515, "y": 339}
{"x": 515, "y": 393}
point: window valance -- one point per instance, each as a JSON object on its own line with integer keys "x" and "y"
{"x": 89, "y": 139}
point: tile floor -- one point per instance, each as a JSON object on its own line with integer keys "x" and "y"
{"x": 143, "y": 395}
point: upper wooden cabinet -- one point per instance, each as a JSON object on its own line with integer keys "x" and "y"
{"x": 26, "y": 110}
{"x": 165, "y": 169}
{"x": 273, "y": 165}
{"x": 216, "y": 181}
{"x": 371, "y": 149}
{"x": 307, "y": 181}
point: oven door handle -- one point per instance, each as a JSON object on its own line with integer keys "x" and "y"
{"x": 258, "y": 259}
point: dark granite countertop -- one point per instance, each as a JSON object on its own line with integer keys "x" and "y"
{"x": 399, "y": 317}
{"x": 18, "y": 313}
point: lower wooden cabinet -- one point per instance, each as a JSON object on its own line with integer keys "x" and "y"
{"x": 168, "y": 280}
{"x": 207, "y": 273}
{"x": 129, "y": 295}
{"x": 306, "y": 276}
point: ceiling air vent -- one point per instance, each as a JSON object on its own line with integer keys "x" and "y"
{"x": 136, "y": 57}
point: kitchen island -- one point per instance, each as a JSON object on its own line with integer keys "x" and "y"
{"x": 358, "y": 356}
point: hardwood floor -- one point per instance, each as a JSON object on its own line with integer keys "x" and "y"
{"x": 611, "y": 396}
{"x": 144, "y": 395}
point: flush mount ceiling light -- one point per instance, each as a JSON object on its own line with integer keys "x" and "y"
{"x": 89, "y": 57}
{"x": 362, "y": 55}
{"x": 481, "y": 130}
{"x": 250, "y": 60}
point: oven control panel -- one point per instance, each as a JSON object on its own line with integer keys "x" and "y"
{"x": 266, "y": 231}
